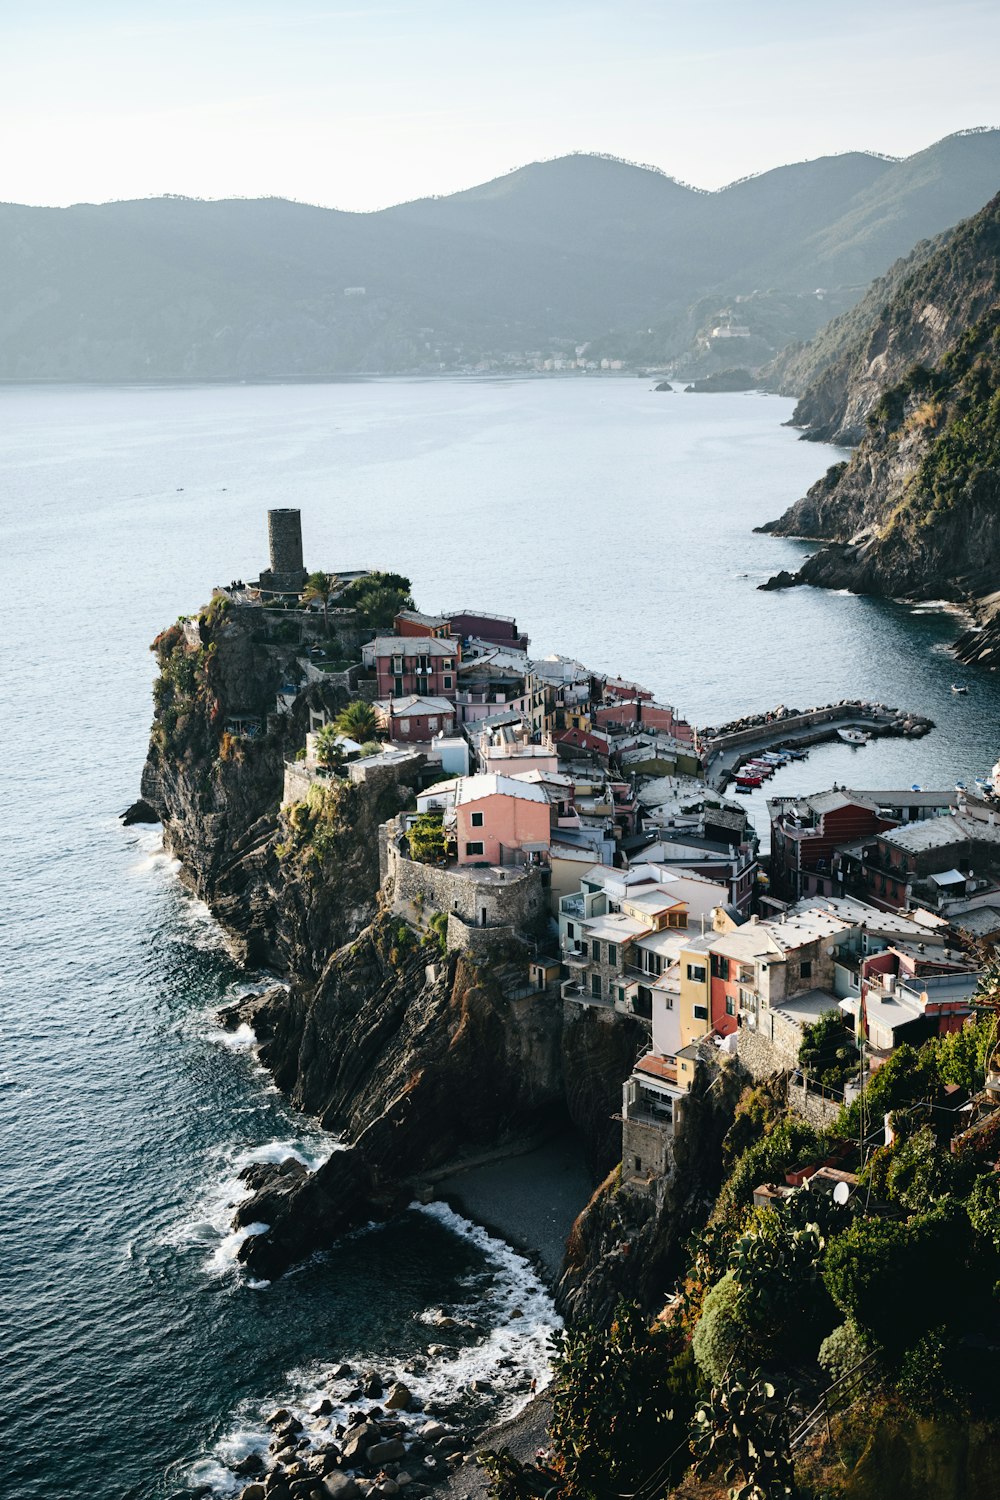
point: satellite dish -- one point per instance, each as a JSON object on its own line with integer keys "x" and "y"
{"x": 841, "y": 1193}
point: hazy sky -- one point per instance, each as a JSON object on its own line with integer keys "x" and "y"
{"x": 360, "y": 105}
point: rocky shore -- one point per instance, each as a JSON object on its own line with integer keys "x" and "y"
{"x": 370, "y": 1435}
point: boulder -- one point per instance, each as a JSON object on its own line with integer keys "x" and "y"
{"x": 384, "y": 1453}
{"x": 398, "y": 1398}
{"x": 323, "y": 1408}
{"x": 431, "y": 1431}
{"x": 358, "y": 1440}
{"x": 278, "y": 1418}
{"x": 339, "y": 1487}
{"x": 248, "y": 1467}
{"x": 481, "y": 1387}
{"x": 341, "y": 1372}
{"x": 253, "y": 1492}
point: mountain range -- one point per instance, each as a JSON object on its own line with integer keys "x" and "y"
{"x": 557, "y": 254}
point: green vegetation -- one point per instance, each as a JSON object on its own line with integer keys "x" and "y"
{"x": 427, "y": 840}
{"x": 320, "y": 588}
{"x": 742, "y": 1427}
{"x": 329, "y": 751}
{"x": 828, "y": 1052}
{"x": 358, "y": 721}
{"x": 378, "y": 598}
{"x": 438, "y": 924}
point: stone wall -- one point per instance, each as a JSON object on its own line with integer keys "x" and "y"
{"x": 478, "y": 941}
{"x": 647, "y": 1150}
{"x": 513, "y": 899}
{"x": 818, "y": 1110}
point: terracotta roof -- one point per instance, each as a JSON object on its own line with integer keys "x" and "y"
{"x": 657, "y": 1067}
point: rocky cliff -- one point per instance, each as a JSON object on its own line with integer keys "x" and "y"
{"x": 414, "y": 1057}
{"x": 916, "y": 511}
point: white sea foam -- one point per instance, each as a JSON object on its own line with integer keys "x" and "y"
{"x": 210, "y": 1223}
{"x": 240, "y": 1040}
{"x": 510, "y": 1354}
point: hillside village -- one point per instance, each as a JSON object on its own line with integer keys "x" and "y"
{"x": 571, "y": 813}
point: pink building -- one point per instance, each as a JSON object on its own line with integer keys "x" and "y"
{"x": 422, "y": 665}
{"x": 627, "y": 713}
{"x": 499, "y": 820}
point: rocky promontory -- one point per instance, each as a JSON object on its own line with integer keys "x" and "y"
{"x": 914, "y": 513}
{"x": 415, "y": 1054}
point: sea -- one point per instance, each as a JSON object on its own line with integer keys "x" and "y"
{"x": 616, "y": 523}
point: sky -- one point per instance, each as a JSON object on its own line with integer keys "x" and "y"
{"x": 358, "y": 106}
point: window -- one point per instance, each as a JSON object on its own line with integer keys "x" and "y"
{"x": 432, "y": 723}
{"x": 805, "y": 969}
{"x": 448, "y": 681}
{"x": 403, "y": 725}
{"x": 476, "y": 848}
{"x": 701, "y": 1012}
{"x": 476, "y": 820}
{"x": 621, "y": 994}
{"x": 720, "y": 966}
{"x": 596, "y": 986}
{"x": 397, "y": 687}
{"x": 612, "y": 953}
{"x": 397, "y": 665}
{"x": 696, "y": 973}
{"x": 677, "y": 919}
{"x": 595, "y": 951}
{"x": 748, "y": 1001}
{"x": 570, "y": 929}
{"x": 447, "y": 665}
{"x": 730, "y": 1006}
{"x": 638, "y": 1163}
{"x": 668, "y": 1002}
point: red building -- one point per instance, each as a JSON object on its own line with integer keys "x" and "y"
{"x": 412, "y": 622}
{"x": 499, "y": 630}
{"x": 805, "y": 832}
{"x": 420, "y": 665}
{"x": 413, "y": 719}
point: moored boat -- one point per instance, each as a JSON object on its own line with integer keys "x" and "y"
{"x": 853, "y": 736}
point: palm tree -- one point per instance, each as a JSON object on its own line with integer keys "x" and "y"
{"x": 321, "y": 586}
{"x": 358, "y": 721}
{"x": 329, "y": 751}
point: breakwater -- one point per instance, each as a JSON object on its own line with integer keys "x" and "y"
{"x": 725, "y": 751}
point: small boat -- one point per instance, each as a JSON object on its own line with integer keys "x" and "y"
{"x": 957, "y": 687}
{"x": 794, "y": 754}
{"x": 747, "y": 783}
{"x": 744, "y": 791}
{"x": 853, "y": 736}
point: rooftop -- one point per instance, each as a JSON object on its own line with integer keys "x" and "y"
{"x": 475, "y": 788}
{"x": 411, "y": 645}
{"x": 413, "y": 703}
{"x": 940, "y": 833}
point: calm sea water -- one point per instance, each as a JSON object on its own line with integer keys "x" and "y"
{"x": 616, "y": 524}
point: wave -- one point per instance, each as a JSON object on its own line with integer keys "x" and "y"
{"x": 506, "y": 1302}
{"x": 209, "y": 1226}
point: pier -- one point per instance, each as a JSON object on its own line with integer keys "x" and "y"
{"x": 725, "y": 753}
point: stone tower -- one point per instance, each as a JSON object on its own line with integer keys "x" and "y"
{"x": 287, "y": 574}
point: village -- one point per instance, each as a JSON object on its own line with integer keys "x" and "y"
{"x": 571, "y": 815}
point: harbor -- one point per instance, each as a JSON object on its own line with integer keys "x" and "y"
{"x": 747, "y": 753}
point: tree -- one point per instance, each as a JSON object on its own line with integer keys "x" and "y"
{"x": 622, "y": 1398}
{"x": 358, "y": 721}
{"x": 378, "y": 598}
{"x": 828, "y": 1052}
{"x": 895, "y": 1279}
{"x": 321, "y": 587}
{"x": 329, "y": 751}
{"x": 743, "y": 1427}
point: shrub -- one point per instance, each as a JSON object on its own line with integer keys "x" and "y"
{"x": 427, "y": 840}
{"x": 358, "y": 721}
{"x": 841, "y": 1350}
{"x": 723, "y": 1333}
{"x": 828, "y": 1051}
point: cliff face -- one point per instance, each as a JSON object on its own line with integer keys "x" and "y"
{"x": 916, "y": 511}
{"x": 912, "y": 316}
{"x": 416, "y": 1059}
{"x": 629, "y": 1241}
